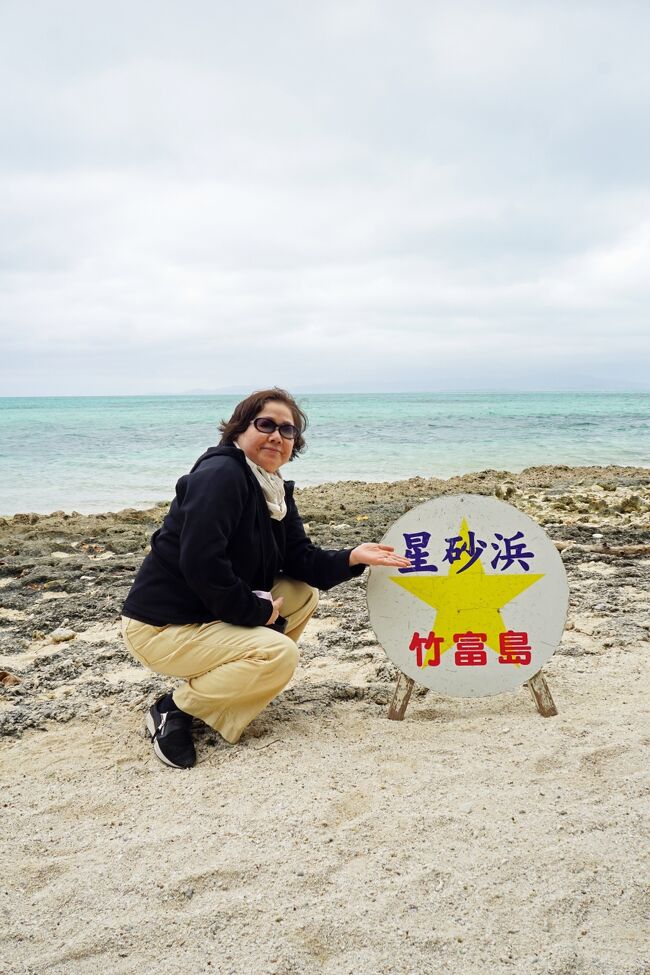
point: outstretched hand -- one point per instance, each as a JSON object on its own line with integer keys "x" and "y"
{"x": 370, "y": 553}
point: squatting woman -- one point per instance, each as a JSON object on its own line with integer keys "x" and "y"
{"x": 231, "y": 580}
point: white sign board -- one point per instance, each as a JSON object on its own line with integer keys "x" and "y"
{"x": 483, "y": 604}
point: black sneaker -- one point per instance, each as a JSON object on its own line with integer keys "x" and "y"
{"x": 171, "y": 734}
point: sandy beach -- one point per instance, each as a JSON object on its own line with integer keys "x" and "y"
{"x": 473, "y": 837}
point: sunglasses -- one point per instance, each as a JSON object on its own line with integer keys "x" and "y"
{"x": 266, "y": 425}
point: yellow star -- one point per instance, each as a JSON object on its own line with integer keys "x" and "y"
{"x": 467, "y": 599}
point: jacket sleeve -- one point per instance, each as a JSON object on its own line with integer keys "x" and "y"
{"x": 318, "y": 567}
{"x": 211, "y": 508}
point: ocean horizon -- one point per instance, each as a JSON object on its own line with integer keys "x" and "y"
{"x": 103, "y": 453}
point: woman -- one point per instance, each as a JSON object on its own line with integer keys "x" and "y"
{"x": 229, "y": 559}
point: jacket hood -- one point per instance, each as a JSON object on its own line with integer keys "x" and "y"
{"x": 228, "y": 450}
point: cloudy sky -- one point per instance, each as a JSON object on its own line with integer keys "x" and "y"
{"x": 207, "y": 195}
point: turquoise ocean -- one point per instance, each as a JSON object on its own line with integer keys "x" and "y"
{"x": 93, "y": 454}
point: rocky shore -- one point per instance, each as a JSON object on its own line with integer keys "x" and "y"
{"x": 63, "y": 578}
{"x": 69, "y": 689}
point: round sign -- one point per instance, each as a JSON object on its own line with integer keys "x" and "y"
{"x": 483, "y": 603}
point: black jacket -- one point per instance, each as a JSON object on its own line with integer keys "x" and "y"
{"x": 218, "y": 543}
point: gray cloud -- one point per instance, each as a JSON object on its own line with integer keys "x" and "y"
{"x": 421, "y": 196}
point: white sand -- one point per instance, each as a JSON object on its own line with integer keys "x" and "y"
{"x": 472, "y": 837}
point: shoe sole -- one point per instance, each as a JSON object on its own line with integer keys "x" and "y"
{"x": 151, "y": 728}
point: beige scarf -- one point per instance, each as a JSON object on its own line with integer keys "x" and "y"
{"x": 273, "y": 488}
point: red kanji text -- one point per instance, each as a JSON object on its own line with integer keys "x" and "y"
{"x": 470, "y": 649}
{"x": 514, "y": 648}
{"x": 420, "y": 644}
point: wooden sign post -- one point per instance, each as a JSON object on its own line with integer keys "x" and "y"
{"x": 482, "y": 606}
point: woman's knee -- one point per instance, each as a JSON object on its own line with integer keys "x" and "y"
{"x": 299, "y": 597}
{"x": 285, "y": 658}
{"x": 307, "y": 598}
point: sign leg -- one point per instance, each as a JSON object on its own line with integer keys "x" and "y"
{"x": 542, "y": 695}
{"x": 401, "y": 697}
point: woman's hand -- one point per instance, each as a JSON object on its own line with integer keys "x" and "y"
{"x": 277, "y": 606}
{"x": 370, "y": 553}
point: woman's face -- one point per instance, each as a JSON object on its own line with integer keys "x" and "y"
{"x": 268, "y": 450}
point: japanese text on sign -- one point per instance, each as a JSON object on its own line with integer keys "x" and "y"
{"x": 470, "y": 649}
{"x": 508, "y": 551}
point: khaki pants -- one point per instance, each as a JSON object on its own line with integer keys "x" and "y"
{"x": 231, "y": 672}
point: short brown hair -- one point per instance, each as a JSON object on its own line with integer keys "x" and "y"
{"x": 248, "y": 409}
